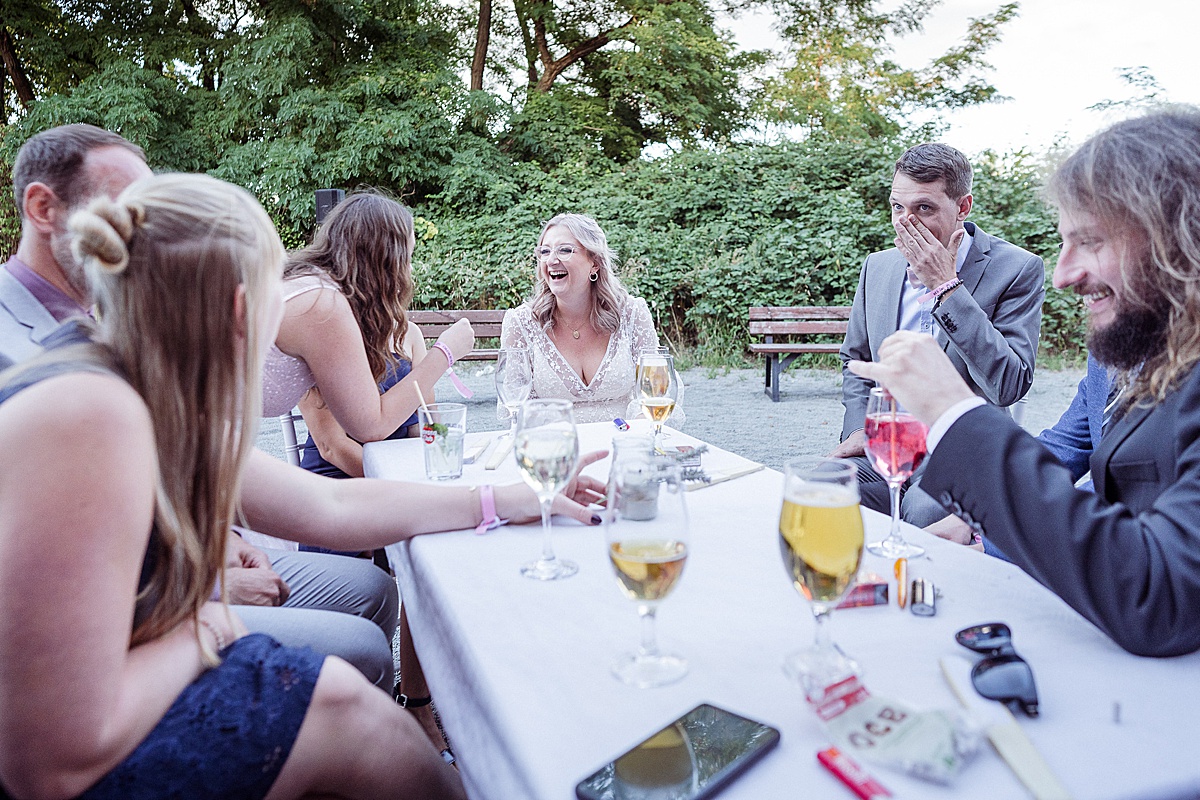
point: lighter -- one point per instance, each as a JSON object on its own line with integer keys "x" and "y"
{"x": 621, "y": 424}
{"x": 923, "y": 597}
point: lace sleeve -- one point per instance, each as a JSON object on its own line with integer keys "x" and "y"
{"x": 641, "y": 330}
{"x": 511, "y": 334}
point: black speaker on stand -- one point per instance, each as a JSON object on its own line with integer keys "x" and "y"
{"x": 326, "y": 200}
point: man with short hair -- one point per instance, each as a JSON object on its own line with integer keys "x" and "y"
{"x": 1126, "y": 555}
{"x": 336, "y": 605}
{"x": 979, "y": 297}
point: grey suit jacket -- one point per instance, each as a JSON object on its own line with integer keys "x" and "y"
{"x": 990, "y": 331}
{"x": 24, "y": 322}
{"x": 1126, "y": 556}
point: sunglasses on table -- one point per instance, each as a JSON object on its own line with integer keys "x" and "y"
{"x": 1002, "y": 675}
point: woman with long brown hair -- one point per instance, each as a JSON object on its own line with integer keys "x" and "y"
{"x": 346, "y": 351}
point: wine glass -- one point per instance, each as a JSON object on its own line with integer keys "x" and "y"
{"x": 821, "y": 541}
{"x": 657, "y": 388}
{"x": 646, "y": 527}
{"x": 896, "y": 446}
{"x": 514, "y": 381}
{"x": 546, "y": 447}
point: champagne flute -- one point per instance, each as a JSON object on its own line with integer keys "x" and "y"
{"x": 546, "y": 447}
{"x": 646, "y": 527}
{"x": 514, "y": 381}
{"x": 657, "y": 387}
{"x": 896, "y": 446}
{"x": 821, "y": 541}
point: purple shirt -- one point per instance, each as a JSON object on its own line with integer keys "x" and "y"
{"x": 60, "y": 305}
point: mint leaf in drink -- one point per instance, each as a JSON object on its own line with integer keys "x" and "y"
{"x": 440, "y": 428}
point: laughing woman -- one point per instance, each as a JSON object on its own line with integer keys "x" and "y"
{"x": 582, "y": 329}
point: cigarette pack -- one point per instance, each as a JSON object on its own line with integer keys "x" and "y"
{"x": 871, "y": 590}
{"x": 687, "y": 456}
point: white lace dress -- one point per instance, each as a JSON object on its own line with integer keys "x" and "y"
{"x": 607, "y": 396}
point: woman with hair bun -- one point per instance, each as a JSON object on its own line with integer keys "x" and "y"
{"x": 582, "y": 329}
{"x": 118, "y": 676}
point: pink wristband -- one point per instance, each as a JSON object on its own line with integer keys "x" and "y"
{"x": 459, "y": 386}
{"x": 487, "y": 505}
{"x": 446, "y": 350}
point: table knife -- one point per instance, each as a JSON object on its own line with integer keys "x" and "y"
{"x": 1004, "y": 733}
{"x": 720, "y": 476}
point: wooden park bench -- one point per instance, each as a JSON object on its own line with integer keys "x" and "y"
{"x": 796, "y": 324}
{"x": 485, "y": 322}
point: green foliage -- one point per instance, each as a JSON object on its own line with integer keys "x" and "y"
{"x": 287, "y": 96}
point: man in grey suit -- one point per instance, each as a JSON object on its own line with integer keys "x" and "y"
{"x": 294, "y": 597}
{"x": 977, "y": 296}
{"x": 1127, "y": 555}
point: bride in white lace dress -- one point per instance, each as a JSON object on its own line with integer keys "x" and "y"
{"x": 582, "y": 329}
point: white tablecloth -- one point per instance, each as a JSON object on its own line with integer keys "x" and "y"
{"x": 520, "y": 669}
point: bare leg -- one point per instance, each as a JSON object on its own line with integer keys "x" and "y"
{"x": 356, "y": 743}
{"x": 412, "y": 683}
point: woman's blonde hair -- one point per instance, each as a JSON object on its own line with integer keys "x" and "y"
{"x": 364, "y": 246}
{"x": 166, "y": 261}
{"x": 608, "y": 295}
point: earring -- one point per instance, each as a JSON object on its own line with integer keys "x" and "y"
{"x": 594, "y": 276}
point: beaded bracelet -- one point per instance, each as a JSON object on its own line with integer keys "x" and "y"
{"x": 208, "y": 626}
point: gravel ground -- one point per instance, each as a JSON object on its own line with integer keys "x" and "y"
{"x": 730, "y": 410}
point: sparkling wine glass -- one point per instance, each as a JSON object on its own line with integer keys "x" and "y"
{"x": 646, "y": 527}
{"x": 514, "y": 381}
{"x": 546, "y": 447}
{"x": 821, "y": 541}
{"x": 896, "y": 447}
{"x": 657, "y": 388}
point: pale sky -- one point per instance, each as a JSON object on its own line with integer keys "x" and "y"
{"x": 1055, "y": 59}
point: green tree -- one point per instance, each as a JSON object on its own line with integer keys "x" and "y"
{"x": 837, "y": 74}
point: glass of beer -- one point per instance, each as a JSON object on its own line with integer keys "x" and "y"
{"x": 896, "y": 447}
{"x": 646, "y": 529}
{"x": 657, "y": 388}
{"x": 821, "y": 542}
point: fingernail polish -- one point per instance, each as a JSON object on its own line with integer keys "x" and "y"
{"x": 595, "y": 519}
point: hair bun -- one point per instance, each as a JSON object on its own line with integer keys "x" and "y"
{"x": 103, "y": 231}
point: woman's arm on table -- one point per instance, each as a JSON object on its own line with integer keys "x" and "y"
{"x": 286, "y": 501}
{"x": 75, "y": 699}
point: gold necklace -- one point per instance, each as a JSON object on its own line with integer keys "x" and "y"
{"x": 575, "y": 333}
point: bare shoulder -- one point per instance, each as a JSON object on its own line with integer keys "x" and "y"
{"x": 93, "y": 405}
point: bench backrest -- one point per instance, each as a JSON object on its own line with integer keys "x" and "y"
{"x": 783, "y": 320}
{"x": 433, "y": 323}
{"x": 485, "y": 322}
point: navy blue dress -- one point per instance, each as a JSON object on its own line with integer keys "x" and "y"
{"x": 311, "y": 459}
{"x": 230, "y": 731}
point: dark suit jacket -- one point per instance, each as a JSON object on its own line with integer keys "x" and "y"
{"x": 990, "y": 331}
{"x": 1126, "y": 556}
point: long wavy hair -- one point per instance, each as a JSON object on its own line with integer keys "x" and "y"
{"x": 608, "y": 295}
{"x": 364, "y": 245}
{"x": 166, "y": 260}
{"x": 1141, "y": 179}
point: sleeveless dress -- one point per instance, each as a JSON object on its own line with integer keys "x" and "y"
{"x": 230, "y": 731}
{"x": 286, "y": 378}
{"x": 607, "y": 395}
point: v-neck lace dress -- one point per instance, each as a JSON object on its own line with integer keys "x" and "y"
{"x": 608, "y": 393}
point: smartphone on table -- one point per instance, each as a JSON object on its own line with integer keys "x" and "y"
{"x": 692, "y": 758}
